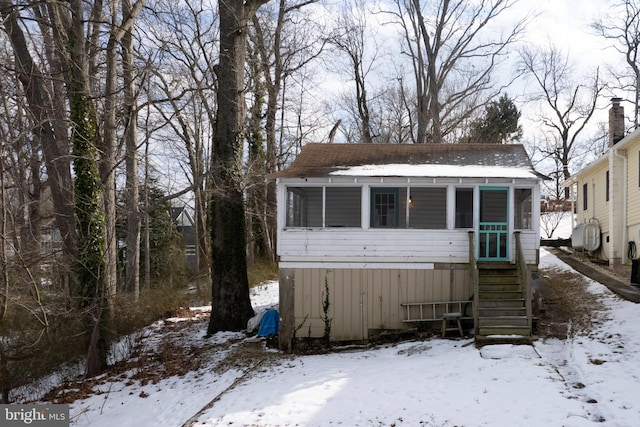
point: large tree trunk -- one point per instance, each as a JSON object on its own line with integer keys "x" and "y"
{"x": 91, "y": 266}
{"x": 132, "y": 201}
{"x": 230, "y": 305}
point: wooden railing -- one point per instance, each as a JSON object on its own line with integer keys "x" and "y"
{"x": 525, "y": 278}
{"x": 475, "y": 282}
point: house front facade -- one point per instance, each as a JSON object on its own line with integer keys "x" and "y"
{"x": 373, "y": 236}
{"x": 607, "y": 196}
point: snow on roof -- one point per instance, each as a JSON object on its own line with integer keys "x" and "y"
{"x": 435, "y": 171}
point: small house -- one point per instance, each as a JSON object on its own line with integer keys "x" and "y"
{"x": 607, "y": 196}
{"x": 388, "y": 237}
{"x": 186, "y": 227}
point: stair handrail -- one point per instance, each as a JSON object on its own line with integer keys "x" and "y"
{"x": 525, "y": 279}
{"x": 473, "y": 272}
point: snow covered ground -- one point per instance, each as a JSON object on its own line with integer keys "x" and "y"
{"x": 583, "y": 381}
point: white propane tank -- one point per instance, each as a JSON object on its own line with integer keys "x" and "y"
{"x": 586, "y": 236}
{"x": 577, "y": 237}
{"x": 591, "y": 236}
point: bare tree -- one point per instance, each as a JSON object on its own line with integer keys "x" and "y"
{"x": 132, "y": 197}
{"x": 570, "y": 103}
{"x": 454, "y": 59}
{"x": 230, "y": 305}
{"x": 50, "y": 130}
{"x": 551, "y": 220}
{"x": 621, "y": 27}
{"x": 182, "y": 91}
{"x": 285, "y": 40}
{"x": 358, "y": 44}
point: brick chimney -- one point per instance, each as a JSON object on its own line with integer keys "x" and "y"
{"x": 616, "y": 121}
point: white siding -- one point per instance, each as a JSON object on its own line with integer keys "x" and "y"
{"x": 633, "y": 185}
{"x": 375, "y": 244}
{"x": 348, "y": 245}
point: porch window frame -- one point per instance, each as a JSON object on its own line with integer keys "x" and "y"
{"x": 302, "y": 216}
{"x": 372, "y": 206}
{"x": 473, "y": 191}
{"x": 516, "y": 210}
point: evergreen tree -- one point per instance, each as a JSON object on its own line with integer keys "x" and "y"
{"x": 499, "y": 125}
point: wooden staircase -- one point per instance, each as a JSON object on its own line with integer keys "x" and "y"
{"x": 502, "y": 305}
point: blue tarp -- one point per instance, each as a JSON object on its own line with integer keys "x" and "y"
{"x": 270, "y": 323}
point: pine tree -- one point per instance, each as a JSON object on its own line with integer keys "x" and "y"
{"x": 499, "y": 125}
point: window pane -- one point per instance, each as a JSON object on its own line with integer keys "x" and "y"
{"x": 522, "y": 212}
{"x": 343, "y": 207}
{"x": 428, "y": 208}
{"x": 464, "y": 207}
{"x": 384, "y": 207}
{"x": 585, "y": 202}
{"x": 493, "y": 206}
{"x": 304, "y": 207}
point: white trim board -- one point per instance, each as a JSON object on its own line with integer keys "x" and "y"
{"x": 360, "y": 265}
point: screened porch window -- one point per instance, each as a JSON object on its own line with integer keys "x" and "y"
{"x": 304, "y": 207}
{"x": 424, "y": 208}
{"x": 341, "y": 207}
{"x": 522, "y": 208}
{"x": 464, "y": 207}
{"x": 428, "y": 208}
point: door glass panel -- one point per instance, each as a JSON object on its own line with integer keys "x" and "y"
{"x": 493, "y": 206}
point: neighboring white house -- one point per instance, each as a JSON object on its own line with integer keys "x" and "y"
{"x": 393, "y": 230}
{"x": 608, "y": 196}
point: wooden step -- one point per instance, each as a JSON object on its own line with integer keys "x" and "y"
{"x": 504, "y": 339}
{"x": 504, "y": 330}
{"x": 503, "y": 321}
{"x": 491, "y": 279}
{"x": 502, "y": 311}
{"x": 499, "y": 295}
{"x": 499, "y": 287}
{"x": 502, "y": 303}
{"x": 499, "y": 265}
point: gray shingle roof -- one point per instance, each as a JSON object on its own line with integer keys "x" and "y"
{"x": 318, "y": 160}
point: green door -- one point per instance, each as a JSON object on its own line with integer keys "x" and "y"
{"x": 494, "y": 224}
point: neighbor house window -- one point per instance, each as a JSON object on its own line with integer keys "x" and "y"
{"x": 428, "y": 208}
{"x": 464, "y": 208}
{"x": 606, "y": 183}
{"x": 384, "y": 207}
{"x": 585, "y": 204}
{"x": 522, "y": 208}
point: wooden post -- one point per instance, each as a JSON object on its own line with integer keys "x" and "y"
{"x": 287, "y": 309}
